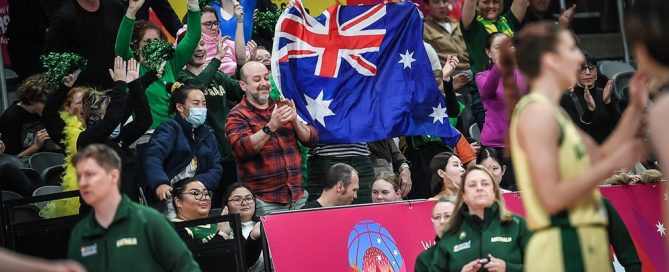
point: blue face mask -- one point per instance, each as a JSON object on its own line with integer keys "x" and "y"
{"x": 116, "y": 132}
{"x": 197, "y": 116}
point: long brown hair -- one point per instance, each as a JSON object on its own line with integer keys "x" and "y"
{"x": 458, "y": 217}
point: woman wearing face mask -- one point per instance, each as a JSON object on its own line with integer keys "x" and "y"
{"x": 182, "y": 146}
{"x": 441, "y": 215}
{"x": 481, "y": 234}
{"x": 590, "y": 106}
{"x": 100, "y": 120}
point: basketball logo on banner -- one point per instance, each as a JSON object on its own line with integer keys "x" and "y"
{"x": 371, "y": 247}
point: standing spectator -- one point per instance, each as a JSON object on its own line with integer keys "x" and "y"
{"x": 264, "y": 135}
{"x": 590, "y": 106}
{"x": 163, "y": 10}
{"x": 229, "y": 19}
{"x": 87, "y": 28}
{"x": 341, "y": 188}
{"x": 441, "y": 215}
{"x": 443, "y": 33}
{"x": 182, "y": 147}
{"x": 538, "y": 11}
{"x": 21, "y": 126}
{"x": 491, "y": 89}
{"x": 222, "y": 93}
{"x": 131, "y": 39}
{"x": 26, "y": 32}
{"x": 117, "y": 230}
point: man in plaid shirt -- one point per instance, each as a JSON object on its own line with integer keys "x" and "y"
{"x": 264, "y": 135}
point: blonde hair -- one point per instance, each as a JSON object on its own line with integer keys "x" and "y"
{"x": 456, "y": 222}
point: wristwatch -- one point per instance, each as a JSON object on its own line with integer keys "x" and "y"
{"x": 267, "y": 130}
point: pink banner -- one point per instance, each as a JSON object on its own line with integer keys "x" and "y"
{"x": 385, "y": 237}
{"x": 640, "y": 208}
{"x": 4, "y": 21}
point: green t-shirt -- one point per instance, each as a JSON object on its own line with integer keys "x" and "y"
{"x": 476, "y": 38}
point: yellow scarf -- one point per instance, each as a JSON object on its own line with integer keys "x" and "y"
{"x": 502, "y": 25}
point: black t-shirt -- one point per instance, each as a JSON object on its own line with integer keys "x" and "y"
{"x": 19, "y": 128}
{"x": 312, "y": 204}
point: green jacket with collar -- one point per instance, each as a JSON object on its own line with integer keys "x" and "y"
{"x": 138, "y": 239}
{"x": 476, "y": 238}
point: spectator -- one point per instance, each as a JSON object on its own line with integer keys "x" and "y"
{"x": 491, "y": 89}
{"x": 480, "y": 209}
{"x": 14, "y": 180}
{"x": 182, "y": 147}
{"x": 538, "y": 11}
{"x": 138, "y": 232}
{"x": 234, "y": 55}
{"x": 192, "y": 201}
{"x": 264, "y": 135}
{"x": 441, "y": 215}
{"x": 264, "y": 56}
{"x": 386, "y": 156}
{"x": 386, "y": 188}
{"x": 87, "y": 28}
{"x": 129, "y": 41}
{"x": 491, "y": 160}
{"x": 591, "y": 107}
{"x": 102, "y": 116}
{"x": 21, "y": 127}
{"x": 163, "y": 9}
{"x": 222, "y": 93}
{"x": 447, "y": 174}
{"x": 229, "y": 18}
{"x": 558, "y": 168}
{"x": 73, "y": 104}
{"x": 443, "y": 33}
{"x": 239, "y": 199}
{"x": 341, "y": 187}
{"x": 26, "y": 32}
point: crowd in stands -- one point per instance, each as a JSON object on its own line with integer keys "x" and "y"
{"x": 207, "y": 131}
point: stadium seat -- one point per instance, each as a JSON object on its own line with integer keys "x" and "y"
{"x": 46, "y": 190}
{"x": 43, "y": 160}
{"x": 53, "y": 175}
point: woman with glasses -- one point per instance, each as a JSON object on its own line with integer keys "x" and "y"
{"x": 182, "y": 147}
{"x": 192, "y": 201}
{"x": 239, "y": 199}
{"x": 590, "y": 105}
{"x": 441, "y": 215}
{"x": 481, "y": 233}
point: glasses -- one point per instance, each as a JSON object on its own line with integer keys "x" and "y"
{"x": 587, "y": 67}
{"x": 210, "y": 24}
{"x": 239, "y": 200}
{"x": 200, "y": 195}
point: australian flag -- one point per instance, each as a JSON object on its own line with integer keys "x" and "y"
{"x": 360, "y": 73}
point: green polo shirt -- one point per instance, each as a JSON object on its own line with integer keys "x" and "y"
{"x": 138, "y": 239}
{"x": 477, "y": 238}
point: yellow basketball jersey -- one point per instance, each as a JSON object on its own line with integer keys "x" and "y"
{"x": 573, "y": 160}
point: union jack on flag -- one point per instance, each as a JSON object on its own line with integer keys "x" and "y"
{"x": 359, "y": 73}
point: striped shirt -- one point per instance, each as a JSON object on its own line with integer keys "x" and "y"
{"x": 340, "y": 150}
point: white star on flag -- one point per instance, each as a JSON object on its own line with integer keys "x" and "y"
{"x": 660, "y": 228}
{"x": 438, "y": 114}
{"x": 319, "y": 108}
{"x": 407, "y": 59}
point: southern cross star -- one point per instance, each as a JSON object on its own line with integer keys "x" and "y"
{"x": 319, "y": 108}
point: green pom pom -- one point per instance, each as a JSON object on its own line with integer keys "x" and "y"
{"x": 155, "y": 53}
{"x": 266, "y": 21}
{"x": 59, "y": 65}
{"x": 204, "y": 3}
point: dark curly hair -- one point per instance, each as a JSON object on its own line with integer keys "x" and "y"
{"x": 32, "y": 90}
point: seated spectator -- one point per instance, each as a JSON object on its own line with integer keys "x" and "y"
{"x": 386, "y": 188}
{"x": 221, "y": 92}
{"x": 182, "y": 147}
{"x": 21, "y": 127}
{"x": 538, "y": 11}
{"x": 447, "y": 174}
{"x": 264, "y": 134}
{"x": 386, "y": 157}
{"x": 497, "y": 114}
{"x": 192, "y": 201}
{"x": 480, "y": 209}
{"x": 134, "y": 35}
{"x": 590, "y": 105}
{"x": 490, "y": 159}
{"x": 341, "y": 188}
{"x": 441, "y": 215}
{"x": 239, "y": 199}
{"x": 130, "y": 230}
{"x": 73, "y": 104}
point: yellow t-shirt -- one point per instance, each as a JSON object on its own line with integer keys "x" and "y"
{"x": 573, "y": 160}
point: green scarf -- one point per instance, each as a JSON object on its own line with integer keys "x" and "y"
{"x": 502, "y": 25}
